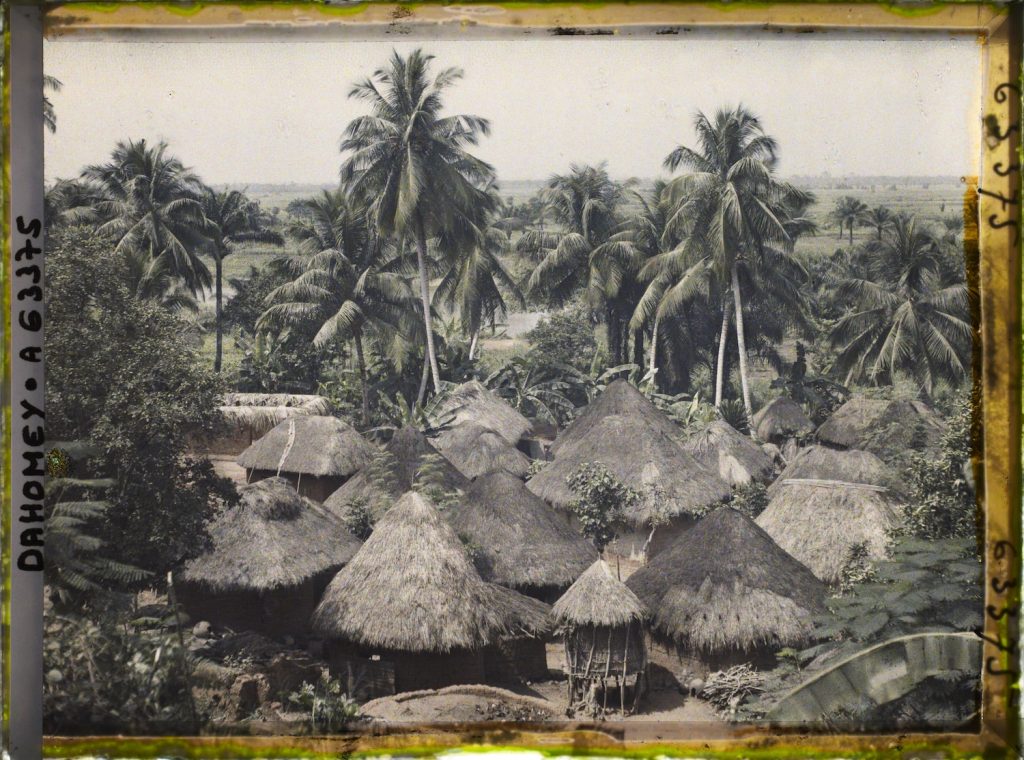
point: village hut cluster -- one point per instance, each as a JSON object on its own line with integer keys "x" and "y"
{"x": 466, "y": 572}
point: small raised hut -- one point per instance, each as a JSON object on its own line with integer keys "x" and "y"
{"x": 726, "y": 593}
{"x": 737, "y": 459}
{"x": 386, "y": 478}
{"x": 601, "y": 622}
{"x": 621, "y": 398}
{"x": 882, "y": 427}
{"x": 673, "y": 487}
{"x": 315, "y": 454}
{"x": 272, "y": 555}
{"x": 476, "y": 450}
{"x": 472, "y": 402}
{"x": 826, "y": 516}
{"x": 412, "y": 598}
{"x": 519, "y": 540}
{"x": 780, "y": 420}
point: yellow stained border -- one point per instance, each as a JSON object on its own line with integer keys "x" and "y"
{"x": 997, "y": 369}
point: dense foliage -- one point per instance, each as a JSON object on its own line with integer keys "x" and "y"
{"x": 601, "y": 499}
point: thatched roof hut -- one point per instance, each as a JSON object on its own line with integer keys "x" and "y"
{"x": 881, "y": 424}
{"x": 259, "y": 412}
{"x": 476, "y": 450}
{"x": 780, "y": 419}
{"x": 412, "y": 588}
{"x": 670, "y": 481}
{"x": 309, "y": 445}
{"x": 621, "y": 398}
{"x": 272, "y": 539}
{"x": 406, "y": 452}
{"x": 598, "y": 598}
{"x": 726, "y": 586}
{"x": 820, "y": 522}
{"x": 736, "y": 458}
{"x": 846, "y": 465}
{"x": 271, "y": 554}
{"x": 472, "y": 402}
{"x": 521, "y": 542}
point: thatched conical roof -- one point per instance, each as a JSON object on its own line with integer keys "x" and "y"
{"x": 598, "y": 598}
{"x": 869, "y": 423}
{"x": 476, "y": 450}
{"x": 407, "y": 448}
{"x": 726, "y": 585}
{"x": 620, "y": 397}
{"x": 310, "y": 445}
{"x": 260, "y": 412}
{"x": 273, "y": 538}
{"x": 781, "y": 418}
{"x": 472, "y": 402}
{"x": 669, "y": 480}
{"x": 521, "y": 541}
{"x": 820, "y": 522}
{"x": 412, "y": 587}
{"x": 846, "y": 465}
{"x": 723, "y": 449}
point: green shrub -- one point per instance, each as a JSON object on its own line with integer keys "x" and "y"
{"x": 565, "y": 337}
{"x": 751, "y": 499}
{"x": 329, "y": 709}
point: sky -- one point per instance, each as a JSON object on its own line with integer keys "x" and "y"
{"x": 255, "y": 111}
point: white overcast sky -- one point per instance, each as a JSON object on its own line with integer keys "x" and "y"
{"x": 259, "y": 111}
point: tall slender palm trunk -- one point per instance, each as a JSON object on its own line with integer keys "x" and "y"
{"x": 218, "y": 318}
{"x": 614, "y": 332}
{"x": 473, "y": 343}
{"x": 723, "y": 337}
{"x": 653, "y": 368}
{"x": 364, "y": 383}
{"x": 638, "y": 347}
{"x": 421, "y": 395}
{"x": 742, "y": 344}
{"x": 428, "y": 322}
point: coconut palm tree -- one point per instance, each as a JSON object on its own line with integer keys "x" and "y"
{"x": 342, "y": 287}
{"x": 909, "y": 316}
{"x": 735, "y": 217}
{"x": 151, "y": 203}
{"x": 879, "y": 218}
{"x": 847, "y": 212}
{"x": 51, "y": 84}
{"x": 592, "y": 252}
{"x": 410, "y": 164}
{"x": 234, "y": 219}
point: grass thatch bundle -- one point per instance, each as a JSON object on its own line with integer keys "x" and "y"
{"x": 524, "y": 615}
{"x": 621, "y": 398}
{"x": 847, "y": 465}
{"x": 476, "y": 450}
{"x": 723, "y": 449}
{"x": 598, "y": 598}
{"x": 407, "y": 450}
{"x": 725, "y": 585}
{"x": 520, "y": 540}
{"x": 259, "y": 412}
{"x": 820, "y": 522}
{"x": 472, "y": 402}
{"x": 309, "y": 445}
{"x": 273, "y": 538}
{"x": 871, "y": 424}
{"x": 412, "y": 587}
{"x": 670, "y": 481}
{"x": 781, "y": 418}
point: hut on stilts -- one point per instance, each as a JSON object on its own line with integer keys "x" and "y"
{"x": 412, "y": 598}
{"x": 477, "y": 450}
{"x": 315, "y": 454}
{"x": 601, "y": 622}
{"x": 273, "y": 553}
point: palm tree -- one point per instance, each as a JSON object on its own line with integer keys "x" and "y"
{"x": 411, "y": 165}
{"x": 233, "y": 219}
{"x": 879, "y": 218}
{"x": 342, "y": 285}
{"x": 151, "y": 203}
{"x": 52, "y": 84}
{"x": 593, "y": 252}
{"x": 732, "y": 212}
{"x": 847, "y": 212}
{"x": 909, "y": 316}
